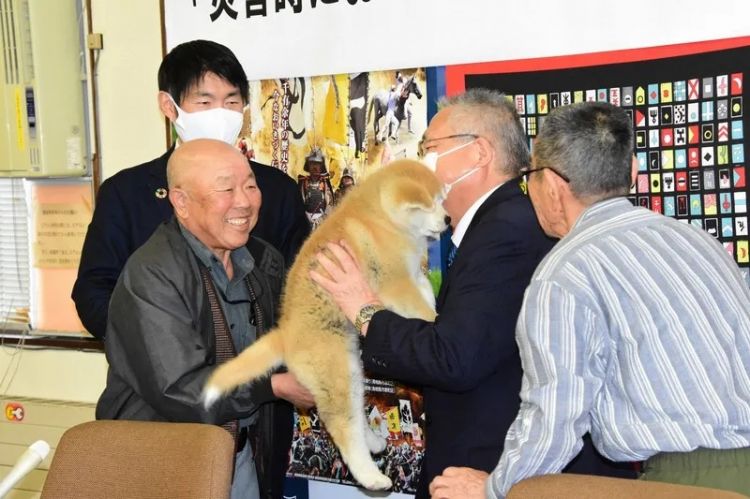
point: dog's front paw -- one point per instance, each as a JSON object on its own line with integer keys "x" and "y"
{"x": 375, "y": 481}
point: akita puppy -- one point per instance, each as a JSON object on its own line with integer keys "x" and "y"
{"x": 387, "y": 221}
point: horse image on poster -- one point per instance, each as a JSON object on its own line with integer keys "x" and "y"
{"x": 379, "y": 105}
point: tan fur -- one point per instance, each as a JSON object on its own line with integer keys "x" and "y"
{"x": 386, "y": 221}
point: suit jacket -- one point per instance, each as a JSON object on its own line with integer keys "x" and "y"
{"x": 133, "y": 202}
{"x": 467, "y": 361}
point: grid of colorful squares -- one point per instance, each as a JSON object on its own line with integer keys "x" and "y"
{"x": 689, "y": 145}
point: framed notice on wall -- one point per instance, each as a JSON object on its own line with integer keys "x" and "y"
{"x": 60, "y": 214}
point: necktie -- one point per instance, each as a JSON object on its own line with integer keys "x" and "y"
{"x": 452, "y": 250}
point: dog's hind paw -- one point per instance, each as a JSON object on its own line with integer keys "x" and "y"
{"x": 210, "y": 395}
{"x": 375, "y": 481}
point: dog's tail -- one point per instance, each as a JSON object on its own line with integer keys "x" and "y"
{"x": 254, "y": 362}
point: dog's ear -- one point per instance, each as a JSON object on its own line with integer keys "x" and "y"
{"x": 407, "y": 194}
{"x": 410, "y": 186}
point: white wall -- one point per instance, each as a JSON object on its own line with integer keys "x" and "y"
{"x": 131, "y": 126}
{"x": 52, "y": 374}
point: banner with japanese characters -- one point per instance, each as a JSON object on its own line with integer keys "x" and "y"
{"x": 281, "y": 38}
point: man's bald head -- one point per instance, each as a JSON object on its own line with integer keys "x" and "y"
{"x": 198, "y": 155}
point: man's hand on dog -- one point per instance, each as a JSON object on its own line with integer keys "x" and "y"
{"x": 345, "y": 281}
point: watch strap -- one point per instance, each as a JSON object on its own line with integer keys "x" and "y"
{"x": 365, "y": 314}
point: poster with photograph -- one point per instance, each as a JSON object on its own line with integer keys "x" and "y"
{"x": 329, "y": 133}
{"x": 393, "y": 411}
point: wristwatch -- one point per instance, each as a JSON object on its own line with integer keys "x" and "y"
{"x": 365, "y": 315}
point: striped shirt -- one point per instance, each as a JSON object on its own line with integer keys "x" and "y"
{"x": 635, "y": 327}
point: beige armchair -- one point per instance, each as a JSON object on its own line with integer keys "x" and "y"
{"x": 135, "y": 459}
{"x": 572, "y": 486}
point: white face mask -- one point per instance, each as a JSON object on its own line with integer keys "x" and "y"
{"x": 447, "y": 187}
{"x": 431, "y": 158}
{"x": 217, "y": 123}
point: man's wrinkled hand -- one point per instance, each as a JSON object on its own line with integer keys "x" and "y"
{"x": 459, "y": 483}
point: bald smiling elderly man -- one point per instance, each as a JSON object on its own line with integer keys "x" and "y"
{"x": 192, "y": 297}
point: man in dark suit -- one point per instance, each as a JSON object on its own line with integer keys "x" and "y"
{"x": 467, "y": 361}
{"x": 202, "y": 91}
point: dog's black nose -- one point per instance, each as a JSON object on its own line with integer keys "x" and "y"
{"x": 447, "y": 220}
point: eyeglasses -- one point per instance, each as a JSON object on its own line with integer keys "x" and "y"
{"x": 421, "y": 145}
{"x": 526, "y": 171}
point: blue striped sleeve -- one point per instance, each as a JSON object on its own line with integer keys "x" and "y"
{"x": 556, "y": 337}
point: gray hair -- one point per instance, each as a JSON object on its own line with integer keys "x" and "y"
{"x": 491, "y": 114}
{"x": 592, "y": 144}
